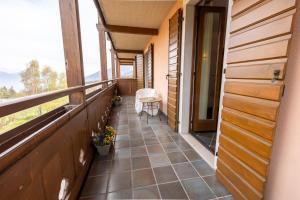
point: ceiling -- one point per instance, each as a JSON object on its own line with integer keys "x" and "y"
{"x": 130, "y": 41}
{"x": 134, "y": 13}
{"x": 126, "y": 55}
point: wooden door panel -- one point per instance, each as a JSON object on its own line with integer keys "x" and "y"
{"x": 261, "y": 12}
{"x": 256, "y": 70}
{"x": 255, "y": 89}
{"x": 259, "y": 46}
{"x": 266, "y": 29}
{"x": 246, "y": 189}
{"x": 149, "y": 67}
{"x": 174, "y": 68}
{"x": 249, "y": 175}
{"x": 248, "y": 140}
{"x": 258, "y": 107}
{"x": 140, "y": 71}
{"x": 263, "y": 128}
{"x": 173, "y": 53}
{"x": 242, "y": 5}
{"x": 273, "y": 48}
{"x": 256, "y": 163}
{"x": 230, "y": 186}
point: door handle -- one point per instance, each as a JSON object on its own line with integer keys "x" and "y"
{"x": 276, "y": 74}
{"x": 167, "y": 76}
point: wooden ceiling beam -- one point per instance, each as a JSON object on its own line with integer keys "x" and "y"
{"x": 128, "y": 59}
{"x": 129, "y": 51}
{"x": 121, "y": 63}
{"x": 131, "y": 29}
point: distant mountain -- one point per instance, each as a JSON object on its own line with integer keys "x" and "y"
{"x": 14, "y": 79}
{"x": 96, "y": 76}
{"x": 92, "y": 77}
{"x": 11, "y": 80}
{"x": 126, "y": 73}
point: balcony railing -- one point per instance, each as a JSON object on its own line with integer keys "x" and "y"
{"x": 50, "y": 155}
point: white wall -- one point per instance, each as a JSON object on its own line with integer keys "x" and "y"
{"x": 284, "y": 175}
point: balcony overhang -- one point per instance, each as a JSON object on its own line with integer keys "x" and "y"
{"x": 131, "y": 24}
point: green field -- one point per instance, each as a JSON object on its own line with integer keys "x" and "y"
{"x": 12, "y": 121}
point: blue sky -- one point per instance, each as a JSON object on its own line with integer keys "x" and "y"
{"x": 32, "y": 30}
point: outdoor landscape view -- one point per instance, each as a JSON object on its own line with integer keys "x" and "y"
{"x": 32, "y": 54}
{"x": 33, "y": 80}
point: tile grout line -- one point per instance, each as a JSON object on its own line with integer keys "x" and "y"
{"x": 157, "y": 127}
{"x": 131, "y": 163}
{"x": 152, "y": 167}
{"x": 174, "y": 169}
{"x": 197, "y": 170}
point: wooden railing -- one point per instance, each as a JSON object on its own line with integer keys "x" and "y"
{"x": 48, "y": 157}
{"x": 127, "y": 86}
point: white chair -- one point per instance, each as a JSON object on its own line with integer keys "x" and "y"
{"x": 142, "y": 93}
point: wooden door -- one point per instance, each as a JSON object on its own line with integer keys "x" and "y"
{"x": 208, "y": 67}
{"x": 175, "y": 26}
{"x": 149, "y": 55}
{"x": 257, "y": 59}
{"x": 139, "y": 71}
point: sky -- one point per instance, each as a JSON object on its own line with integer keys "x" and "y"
{"x": 31, "y": 29}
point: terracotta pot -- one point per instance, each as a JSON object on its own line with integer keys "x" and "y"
{"x": 103, "y": 150}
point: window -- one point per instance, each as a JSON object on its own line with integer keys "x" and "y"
{"x": 90, "y": 40}
{"x": 126, "y": 71}
{"x": 32, "y": 57}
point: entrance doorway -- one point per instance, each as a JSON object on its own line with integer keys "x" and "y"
{"x": 208, "y": 54}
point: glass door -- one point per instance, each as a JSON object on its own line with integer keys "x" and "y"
{"x": 208, "y": 68}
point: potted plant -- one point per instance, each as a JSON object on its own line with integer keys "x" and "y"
{"x": 104, "y": 140}
{"x": 117, "y": 100}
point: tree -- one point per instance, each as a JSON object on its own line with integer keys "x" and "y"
{"x": 49, "y": 79}
{"x": 12, "y": 93}
{"x": 31, "y": 78}
{"x": 4, "y": 93}
{"x": 62, "y": 81}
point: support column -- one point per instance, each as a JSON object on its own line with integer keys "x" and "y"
{"x": 134, "y": 68}
{"x": 102, "y": 45}
{"x": 72, "y": 47}
{"x": 118, "y": 68}
{"x": 113, "y": 62}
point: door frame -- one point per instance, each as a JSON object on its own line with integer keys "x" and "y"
{"x": 197, "y": 49}
{"x": 187, "y": 63}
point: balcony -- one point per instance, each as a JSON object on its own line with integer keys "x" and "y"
{"x": 227, "y": 75}
{"x": 150, "y": 161}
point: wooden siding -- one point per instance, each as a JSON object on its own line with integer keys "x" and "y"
{"x": 175, "y": 26}
{"x": 258, "y": 48}
{"x": 140, "y": 71}
{"x": 149, "y": 66}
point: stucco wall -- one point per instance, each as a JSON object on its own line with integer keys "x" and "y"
{"x": 161, "y": 42}
{"x": 284, "y": 177}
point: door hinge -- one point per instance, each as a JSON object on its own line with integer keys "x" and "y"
{"x": 283, "y": 89}
{"x": 217, "y": 153}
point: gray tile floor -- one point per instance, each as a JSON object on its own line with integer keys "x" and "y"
{"x": 150, "y": 161}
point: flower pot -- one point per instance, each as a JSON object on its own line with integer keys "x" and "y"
{"x": 117, "y": 103}
{"x": 103, "y": 150}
